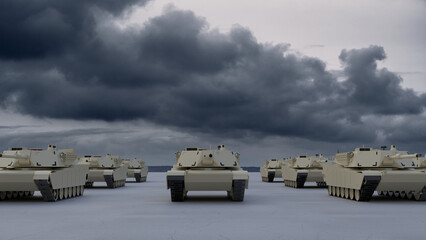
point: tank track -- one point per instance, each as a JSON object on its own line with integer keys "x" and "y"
{"x": 139, "y": 178}
{"x": 46, "y": 190}
{"x": 321, "y": 184}
{"x": 178, "y": 193}
{"x": 419, "y": 196}
{"x": 238, "y": 189}
{"x": 368, "y": 187}
{"x": 177, "y": 188}
{"x": 6, "y": 195}
{"x": 89, "y": 184}
{"x": 271, "y": 176}
{"x": 109, "y": 179}
{"x": 299, "y": 183}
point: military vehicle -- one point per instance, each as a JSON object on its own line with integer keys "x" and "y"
{"x": 136, "y": 169}
{"x": 199, "y": 169}
{"x": 107, "y": 169}
{"x": 358, "y": 174}
{"x": 53, "y": 172}
{"x": 303, "y": 169}
{"x": 271, "y": 169}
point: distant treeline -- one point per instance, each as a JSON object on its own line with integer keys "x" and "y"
{"x": 166, "y": 168}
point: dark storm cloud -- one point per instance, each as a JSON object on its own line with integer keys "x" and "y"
{"x": 31, "y": 29}
{"x": 379, "y": 90}
{"x": 175, "y": 71}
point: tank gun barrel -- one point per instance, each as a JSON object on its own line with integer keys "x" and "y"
{"x": 391, "y": 160}
{"x": 15, "y": 156}
{"x": 404, "y": 156}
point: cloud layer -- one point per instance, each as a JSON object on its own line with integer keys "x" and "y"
{"x": 70, "y": 61}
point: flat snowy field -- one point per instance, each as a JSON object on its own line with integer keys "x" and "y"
{"x": 269, "y": 211}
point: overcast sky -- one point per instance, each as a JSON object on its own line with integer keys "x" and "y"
{"x": 269, "y": 79}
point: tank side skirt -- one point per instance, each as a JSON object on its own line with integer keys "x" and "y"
{"x": 369, "y": 185}
{"x": 300, "y": 181}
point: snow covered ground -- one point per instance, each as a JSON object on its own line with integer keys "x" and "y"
{"x": 270, "y": 211}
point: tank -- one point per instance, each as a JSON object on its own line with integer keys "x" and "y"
{"x": 136, "y": 169}
{"x": 358, "y": 174}
{"x": 199, "y": 169}
{"x": 108, "y": 169}
{"x": 271, "y": 169}
{"x": 303, "y": 169}
{"x": 53, "y": 172}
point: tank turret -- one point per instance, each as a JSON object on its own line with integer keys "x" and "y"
{"x": 107, "y": 169}
{"x": 271, "y": 169}
{"x": 202, "y": 158}
{"x": 198, "y": 169}
{"x": 53, "y": 172}
{"x": 136, "y": 168}
{"x": 21, "y": 157}
{"x": 305, "y": 162}
{"x": 358, "y": 174}
{"x": 102, "y": 162}
{"x": 375, "y": 158}
{"x": 303, "y": 169}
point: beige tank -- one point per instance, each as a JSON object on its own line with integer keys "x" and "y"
{"x": 303, "y": 169}
{"x": 53, "y": 172}
{"x": 271, "y": 169}
{"x": 107, "y": 169}
{"x": 358, "y": 174}
{"x": 199, "y": 169}
{"x": 136, "y": 169}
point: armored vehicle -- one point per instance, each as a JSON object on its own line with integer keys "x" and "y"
{"x": 136, "y": 169}
{"x": 271, "y": 169}
{"x": 53, "y": 172}
{"x": 199, "y": 169}
{"x": 303, "y": 169}
{"x": 107, "y": 169}
{"x": 356, "y": 175}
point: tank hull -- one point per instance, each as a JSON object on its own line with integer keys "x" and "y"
{"x": 114, "y": 178}
{"x": 360, "y": 184}
{"x": 208, "y": 180}
{"x": 140, "y": 174}
{"x": 296, "y": 178}
{"x": 269, "y": 174}
{"x": 52, "y": 183}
